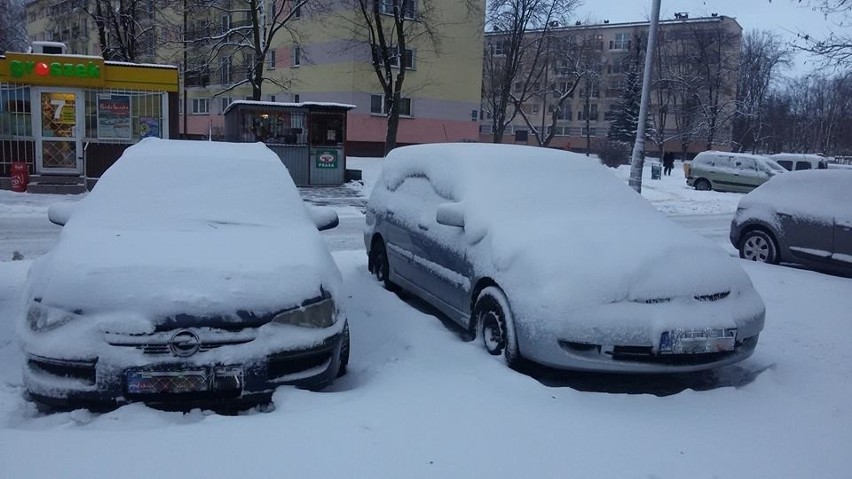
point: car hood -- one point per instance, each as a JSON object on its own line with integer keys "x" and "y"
{"x": 587, "y": 261}
{"x": 216, "y": 271}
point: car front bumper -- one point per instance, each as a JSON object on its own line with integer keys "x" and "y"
{"x": 232, "y": 378}
{"x": 634, "y": 346}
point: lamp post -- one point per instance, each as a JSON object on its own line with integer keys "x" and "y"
{"x": 637, "y": 162}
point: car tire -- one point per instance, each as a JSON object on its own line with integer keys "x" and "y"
{"x": 496, "y": 324}
{"x": 344, "y": 351}
{"x": 702, "y": 185}
{"x": 380, "y": 263}
{"x": 758, "y": 245}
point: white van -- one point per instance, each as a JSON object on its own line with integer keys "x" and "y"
{"x": 724, "y": 171}
{"x": 800, "y": 161}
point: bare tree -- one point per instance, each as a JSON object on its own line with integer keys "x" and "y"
{"x": 569, "y": 62}
{"x": 13, "y": 34}
{"x": 390, "y": 29}
{"x": 835, "y": 48}
{"x": 223, "y": 31}
{"x": 516, "y": 54}
{"x": 763, "y": 54}
{"x": 125, "y": 28}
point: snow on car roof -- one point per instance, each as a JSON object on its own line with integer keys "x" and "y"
{"x": 805, "y": 193}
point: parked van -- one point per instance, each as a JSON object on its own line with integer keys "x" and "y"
{"x": 800, "y": 161}
{"x": 723, "y": 171}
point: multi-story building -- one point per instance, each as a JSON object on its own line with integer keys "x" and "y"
{"x": 322, "y": 62}
{"x": 693, "y": 94}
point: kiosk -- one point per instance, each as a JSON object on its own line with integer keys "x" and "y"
{"x": 308, "y": 137}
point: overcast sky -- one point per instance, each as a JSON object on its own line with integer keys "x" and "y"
{"x": 786, "y": 17}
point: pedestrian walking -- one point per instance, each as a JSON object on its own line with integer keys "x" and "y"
{"x": 668, "y": 163}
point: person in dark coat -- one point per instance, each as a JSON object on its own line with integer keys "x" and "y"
{"x": 668, "y": 163}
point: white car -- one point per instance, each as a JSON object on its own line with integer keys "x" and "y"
{"x": 546, "y": 256}
{"x": 193, "y": 273}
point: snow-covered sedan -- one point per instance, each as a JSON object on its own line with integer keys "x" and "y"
{"x": 804, "y": 217}
{"x": 546, "y": 256}
{"x": 192, "y": 273}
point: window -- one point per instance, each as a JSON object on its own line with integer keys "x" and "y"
{"x": 621, "y": 42}
{"x": 200, "y": 106}
{"x": 499, "y": 47}
{"x": 296, "y": 98}
{"x": 377, "y": 105}
{"x": 224, "y": 102}
{"x": 564, "y": 113}
{"x": 225, "y": 21}
{"x": 387, "y": 6}
{"x": 803, "y": 165}
{"x": 588, "y": 111}
{"x": 408, "y": 58}
{"x": 297, "y": 13}
{"x": 270, "y": 60}
{"x": 297, "y": 56}
{"x": 225, "y": 70}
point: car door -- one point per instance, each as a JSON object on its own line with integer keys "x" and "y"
{"x": 807, "y": 230}
{"x": 746, "y": 174}
{"x": 395, "y": 230}
{"x": 434, "y": 259}
{"x": 842, "y": 254}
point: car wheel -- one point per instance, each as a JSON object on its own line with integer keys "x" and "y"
{"x": 496, "y": 325}
{"x": 758, "y": 245}
{"x": 381, "y": 265}
{"x": 344, "y": 351}
{"x": 702, "y": 185}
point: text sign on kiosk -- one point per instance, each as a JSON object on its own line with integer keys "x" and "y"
{"x": 55, "y": 70}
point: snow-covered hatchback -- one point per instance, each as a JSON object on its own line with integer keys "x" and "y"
{"x": 546, "y": 256}
{"x": 193, "y": 274}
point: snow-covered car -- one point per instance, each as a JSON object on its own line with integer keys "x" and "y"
{"x": 803, "y": 217}
{"x": 725, "y": 171}
{"x": 193, "y": 273}
{"x": 547, "y": 257}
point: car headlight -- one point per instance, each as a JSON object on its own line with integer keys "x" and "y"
{"x": 320, "y": 314}
{"x": 41, "y": 318}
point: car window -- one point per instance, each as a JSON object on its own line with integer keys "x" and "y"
{"x": 803, "y": 165}
{"x": 787, "y": 164}
{"x": 746, "y": 164}
{"x": 416, "y": 202}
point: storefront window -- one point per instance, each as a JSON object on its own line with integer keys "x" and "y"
{"x": 15, "y": 112}
{"x": 284, "y": 128}
{"x": 326, "y": 129}
{"x": 123, "y": 116}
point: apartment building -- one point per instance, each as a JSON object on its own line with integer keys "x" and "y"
{"x": 323, "y": 60}
{"x": 693, "y": 92}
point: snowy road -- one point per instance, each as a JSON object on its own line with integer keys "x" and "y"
{"x": 420, "y": 402}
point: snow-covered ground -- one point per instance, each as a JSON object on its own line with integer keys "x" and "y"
{"x": 420, "y": 402}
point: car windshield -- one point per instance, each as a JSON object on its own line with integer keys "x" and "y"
{"x": 162, "y": 186}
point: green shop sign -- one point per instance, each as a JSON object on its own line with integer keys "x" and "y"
{"x": 326, "y": 159}
{"x": 20, "y": 69}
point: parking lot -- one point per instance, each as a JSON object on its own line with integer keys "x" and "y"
{"x": 418, "y": 401}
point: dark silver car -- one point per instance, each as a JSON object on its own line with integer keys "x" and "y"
{"x": 525, "y": 248}
{"x": 802, "y": 217}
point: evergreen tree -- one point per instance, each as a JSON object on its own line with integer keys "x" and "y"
{"x": 624, "y": 113}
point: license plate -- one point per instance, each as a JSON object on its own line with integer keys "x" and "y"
{"x": 698, "y": 341}
{"x": 168, "y": 382}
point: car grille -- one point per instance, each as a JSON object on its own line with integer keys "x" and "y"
{"x": 81, "y": 370}
{"x": 159, "y": 343}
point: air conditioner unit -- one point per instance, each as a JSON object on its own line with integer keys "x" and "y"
{"x": 48, "y": 48}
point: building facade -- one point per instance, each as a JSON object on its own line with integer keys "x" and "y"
{"x": 317, "y": 58}
{"x": 693, "y": 93}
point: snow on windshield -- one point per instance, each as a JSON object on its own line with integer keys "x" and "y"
{"x": 159, "y": 182}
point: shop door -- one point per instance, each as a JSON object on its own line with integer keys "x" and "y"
{"x": 58, "y": 126}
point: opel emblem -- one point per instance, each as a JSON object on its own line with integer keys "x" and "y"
{"x": 184, "y": 343}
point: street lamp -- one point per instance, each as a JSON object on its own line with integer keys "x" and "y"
{"x": 637, "y": 162}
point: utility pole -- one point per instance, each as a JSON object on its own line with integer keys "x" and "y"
{"x": 184, "y": 100}
{"x": 638, "y": 162}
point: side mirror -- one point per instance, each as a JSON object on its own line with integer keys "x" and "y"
{"x": 450, "y": 214}
{"x": 60, "y": 213}
{"x": 324, "y": 217}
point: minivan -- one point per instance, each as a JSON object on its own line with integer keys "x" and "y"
{"x": 724, "y": 171}
{"x": 800, "y": 161}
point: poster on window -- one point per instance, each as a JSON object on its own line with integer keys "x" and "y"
{"x": 114, "y": 117}
{"x": 149, "y": 127}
